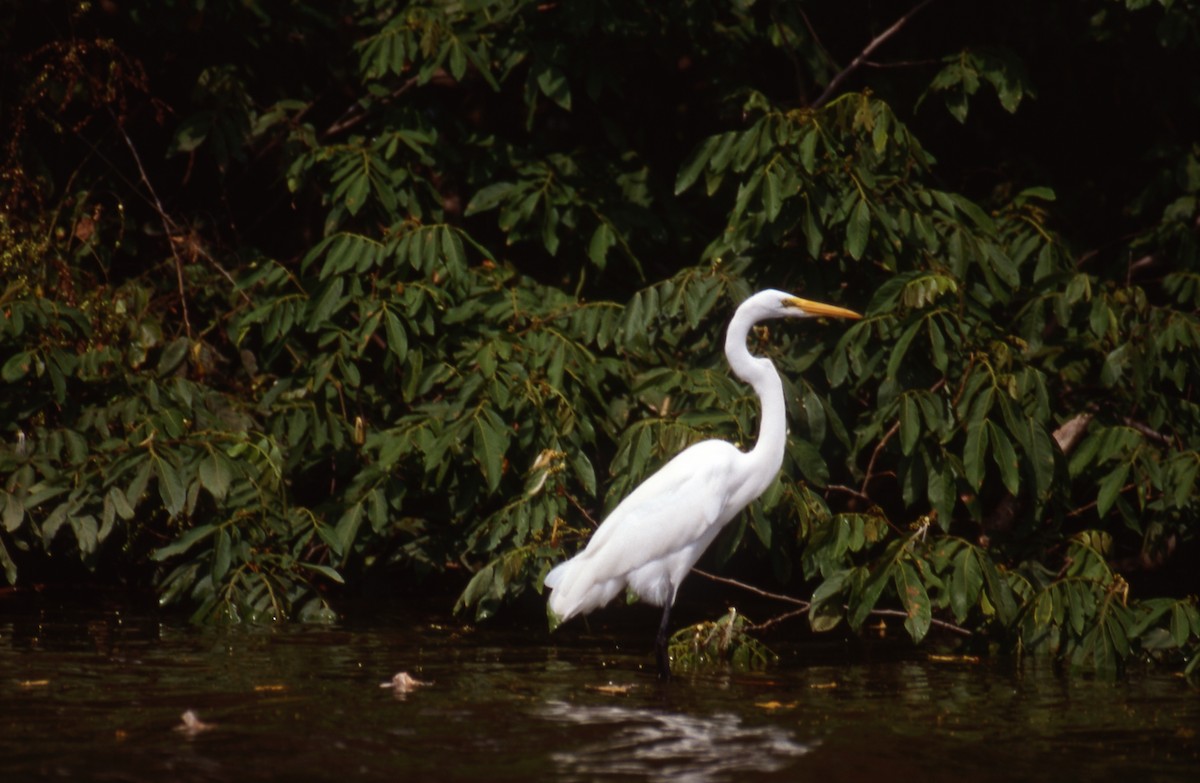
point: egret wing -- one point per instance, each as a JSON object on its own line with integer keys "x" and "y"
{"x": 674, "y": 507}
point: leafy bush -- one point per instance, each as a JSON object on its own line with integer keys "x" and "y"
{"x": 425, "y": 287}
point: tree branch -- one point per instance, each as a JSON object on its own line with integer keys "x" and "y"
{"x": 357, "y": 113}
{"x": 875, "y": 455}
{"x": 865, "y": 53}
{"x": 804, "y": 606}
{"x": 752, "y": 589}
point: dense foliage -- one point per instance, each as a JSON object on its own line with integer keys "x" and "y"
{"x": 301, "y": 294}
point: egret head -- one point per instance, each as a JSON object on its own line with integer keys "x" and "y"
{"x": 780, "y": 304}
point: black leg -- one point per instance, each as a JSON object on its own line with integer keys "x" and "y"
{"x": 660, "y": 645}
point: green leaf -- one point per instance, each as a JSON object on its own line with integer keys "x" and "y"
{"x": 975, "y": 452}
{"x": 329, "y": 302}
{"x": 550, "y": 220}
{"x": 1041, "y": 457}
{"x": 120, "y": 503}
{"x": 865, "y": 600}
{"x": 772, "y": 195}
{"x": 184, "y": 542}
{"x": 810, "y": 461}
{"x": 170, "y": 486}
{"x": 327, "y": 571}
{"x": 553, "y": 84}
{"x": 966, "y": 582}
{"x": 808, "y": 148}
{"x": 491, "y": 443}
{"x": 1110, "y": 488}
{"x": 14, "y": 512}
{"x": 900, "y": 349}
{"x": 910, "y": 424}
{"x": 86, "y": 533}
{"x": 222, "y": 554}
{"x": 914, "y": 598}
{"x": 581, "y": 466}
{"x": 1006, "y": 458}
{"x": 347, "y": 529}
{"x": 825, "y": 613}
{"x": 17, "y": 366}
{"x": 603, "y": 238}
{"x": 858, "y": 230}
{"x": 10, "y": 565}
{"x": 397, "y": 338}
{"x": 691, "y": 170}
{"x": 215, "y": 476}
{"x": 1181, "y": 629}
{"x": 172, "y": 356}
{"x": 137, "y": 488}
{"x": 941, "y": 492}
{"x": 489, "y": 197}
{"x": 452, "y": 249}
{"x": 458, "y": 60}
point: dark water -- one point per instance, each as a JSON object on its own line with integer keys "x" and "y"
{"x": 98, "y": 696}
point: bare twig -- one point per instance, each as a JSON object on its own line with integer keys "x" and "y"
{"x": 836, "y": 82}
{"x": 899, "y": 64}
{"x": 169, "y": 225}
{"x": 849, "y": 491}
{"x": 804, "y": 606}
{"x": 200, "y": 251}
{"x": 582, "y": 510}
{"x": 875, "y": 455}
{"x": 958, "y": 629}
{"x": 1149, "y": 432}
{"x": 751, "y": 588}
{"x": 777, "y": 619}
{"x": 173, "y": 230}
{"x": 356, "y": 113}
{"x": 1089, "y": 506}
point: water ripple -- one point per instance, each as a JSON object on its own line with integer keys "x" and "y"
{"x": 656, "y": 745}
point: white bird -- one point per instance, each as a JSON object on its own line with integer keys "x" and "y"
{"x": 651, "y": 540}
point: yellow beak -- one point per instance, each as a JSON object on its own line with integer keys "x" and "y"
{"x": 818, "y": 308}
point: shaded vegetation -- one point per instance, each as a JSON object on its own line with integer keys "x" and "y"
{"x": 294, "y": 296}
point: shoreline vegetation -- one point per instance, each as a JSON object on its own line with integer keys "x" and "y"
{"x": 309, "y": 302}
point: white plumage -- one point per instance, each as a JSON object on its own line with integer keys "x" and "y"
{"x": 656, "y": 534}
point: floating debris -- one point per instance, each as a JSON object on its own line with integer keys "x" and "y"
{"x": 273, "y": 688}
{"x": 192, "y": 725}
{"x": 936, "y": 658}
{"x": 403, "y": 683}
{"x": 612, "y": 689}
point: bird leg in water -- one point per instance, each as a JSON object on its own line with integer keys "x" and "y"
{"x": 660, "y": 644}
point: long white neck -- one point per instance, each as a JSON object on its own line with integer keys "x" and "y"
{"x": 762, "y": 462}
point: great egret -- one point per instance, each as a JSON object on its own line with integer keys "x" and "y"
{"x": 656, "y": 534}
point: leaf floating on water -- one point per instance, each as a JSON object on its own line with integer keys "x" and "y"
{"x": 192, "y": 725}
{"x": 403, "y": 683}
{"x": 773, "y": 705}
{"x": 612, "y": 689}
{"x": 953, "y": 658}
{"x": 823, "y": 686}
{"x": 34, "y": 683}
{"x": 271, "y": 688}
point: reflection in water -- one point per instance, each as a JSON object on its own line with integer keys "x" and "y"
{"x": 649, "y": 744}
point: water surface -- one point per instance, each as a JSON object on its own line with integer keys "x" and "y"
{"x": 98, "y": 695}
